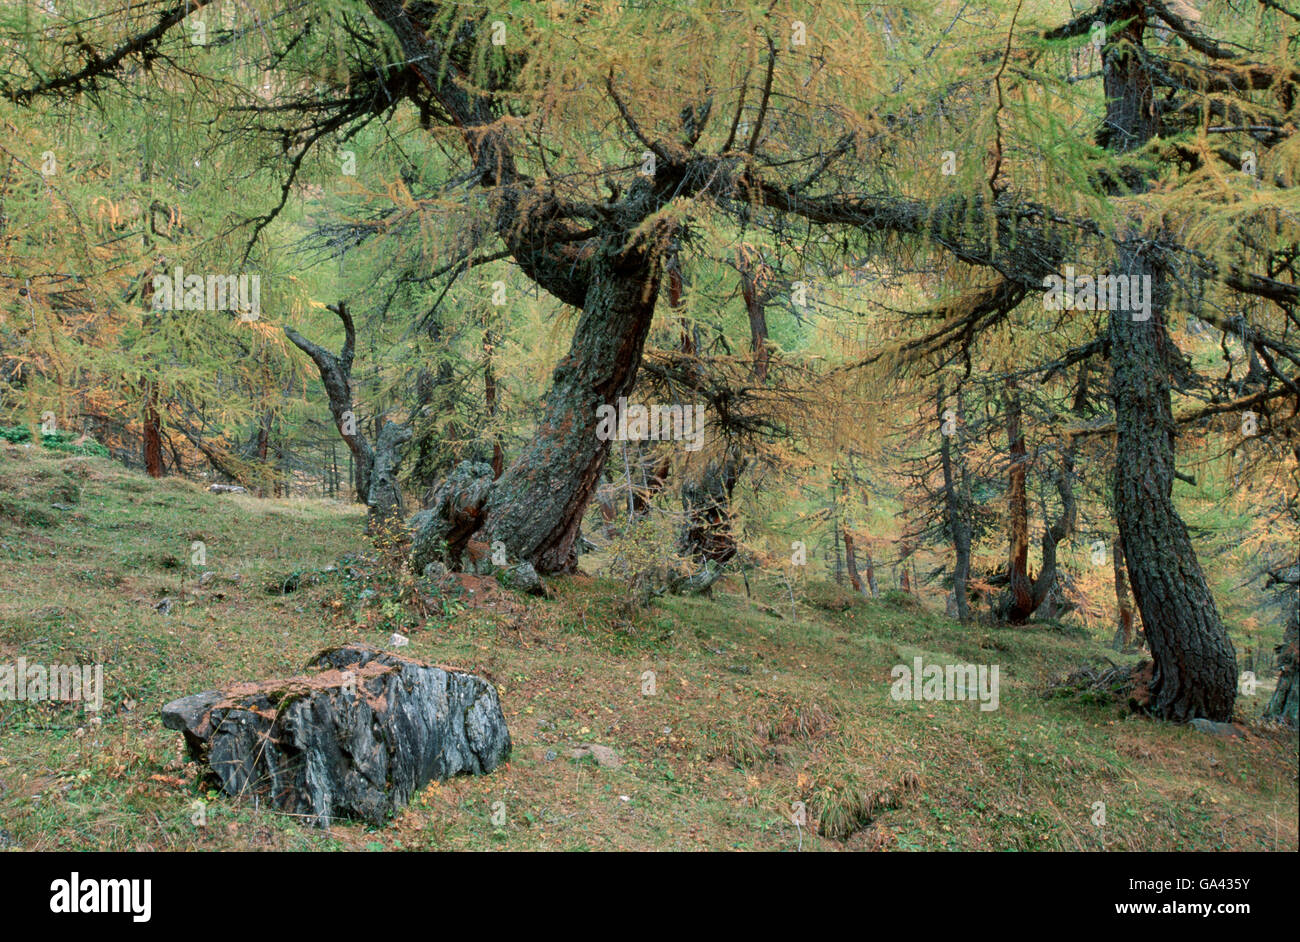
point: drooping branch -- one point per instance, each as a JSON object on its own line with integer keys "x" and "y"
{"x": 99, "y": 66}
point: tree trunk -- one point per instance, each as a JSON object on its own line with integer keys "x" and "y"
{"x": 153, "y": 454}
{"x": 490, "y": 397}
{"x": 1017, "y": 603}
{"x": 756, "y": 296}
{"x": 435, "y": 396}
{"x": 959, "y": 526}
{"x": 611, "y": 270}
{"x": 608, "y": 512}
{"x": 1195, "y": 667}
{"x": 1124, "y": 635}
{"x": 871, "y": 576}
{"x": 336, "y": 376}
{"x": 653, "y": 481}
{"x": 851, "y": 560}
{"x": 835, "y": 540}
{"x": 1285, "y": 702}
{"x": 708, "y": 533}
{"x": 384, "y": 503}
{"x": 1045, "y": 583}
{"x": 536, "y": 507}
{"x": 263, "y": 448}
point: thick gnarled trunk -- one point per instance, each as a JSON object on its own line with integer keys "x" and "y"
{"x": 384, "y": 500}
{"x": 1195, "y": 667}
{"x": 536, "y": 507}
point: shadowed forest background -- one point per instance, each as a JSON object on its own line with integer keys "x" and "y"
{"x": 311, "y": 312}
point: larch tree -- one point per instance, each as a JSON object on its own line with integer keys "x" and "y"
{"x": 589, "y": 143}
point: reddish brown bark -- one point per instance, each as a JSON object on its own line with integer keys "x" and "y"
{"x": 851, "y": 559}
{"x": 153, "y": 452}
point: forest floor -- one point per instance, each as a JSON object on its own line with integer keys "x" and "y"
{"x": 755, "y": 708}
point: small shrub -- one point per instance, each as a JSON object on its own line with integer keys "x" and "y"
{"x": 831, "y": 596}
{"x": 65, "y": 443}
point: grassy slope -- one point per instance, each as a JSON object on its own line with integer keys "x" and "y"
{"x": 752, "y": 711}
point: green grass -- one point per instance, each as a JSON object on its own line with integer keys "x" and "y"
{"x": 756, "y": 709}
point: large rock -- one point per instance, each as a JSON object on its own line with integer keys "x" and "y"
{"x": 1226, "y": 730}
{"x": 356, "y": 736}
{"x": 523, "y": 578}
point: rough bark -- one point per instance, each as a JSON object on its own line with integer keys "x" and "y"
{"x": 441, "y": 533}
{"x": 355, "y": 737}
{"x": 536, "y": 506}
{"x": 1195, "y": 667}
{"x": 490, "y": 400}
{"x": 699, "y": 582}
{"x": 1285, "y": 702}
{"x": 756, "y": 291}
{"x": 1124, "y": 633}
{"x": 384, "y": 502}
{"x": 375, "y": 467}
{"x": 1045, "y": 583}
{"x": 605, "y": 262}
